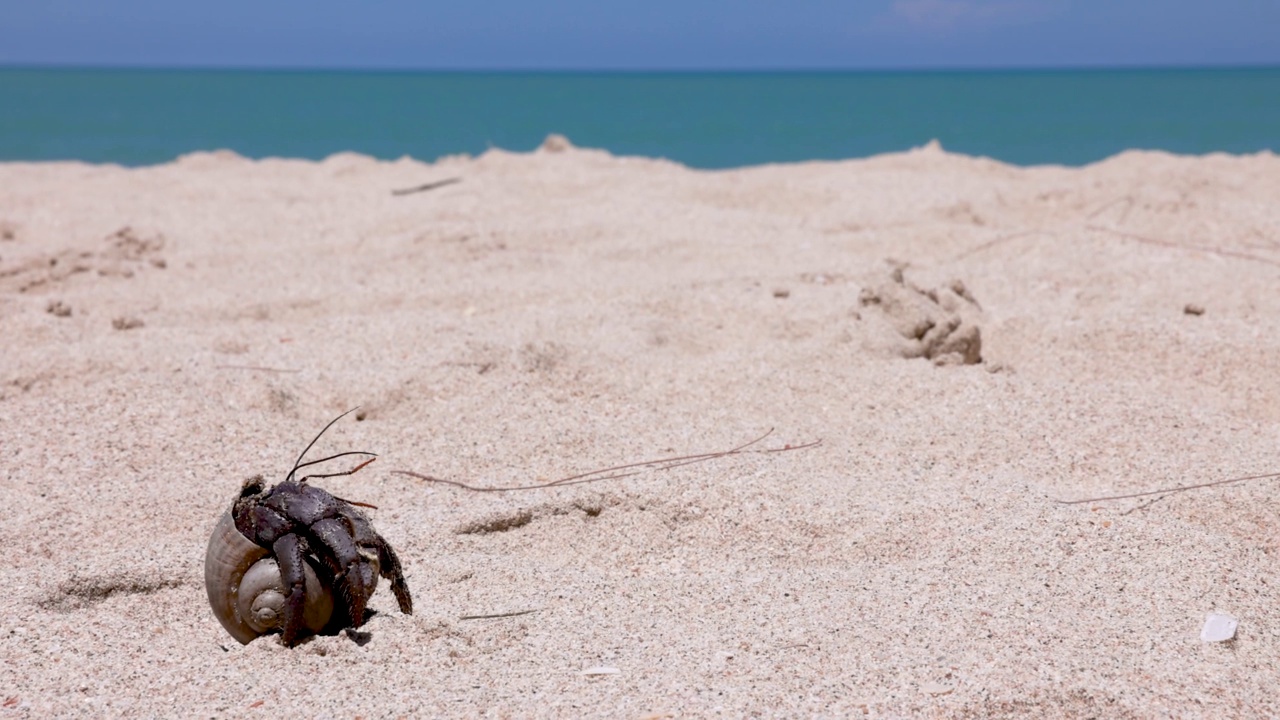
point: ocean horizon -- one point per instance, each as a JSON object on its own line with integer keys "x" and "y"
{"x": 710, "y": 120}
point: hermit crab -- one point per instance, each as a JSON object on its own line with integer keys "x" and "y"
{"x": 294, "y": 559}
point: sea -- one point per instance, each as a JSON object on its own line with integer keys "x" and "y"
{"x": 704, "y": 120}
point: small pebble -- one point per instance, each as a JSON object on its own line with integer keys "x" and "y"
{"x": 1193, "y": 309}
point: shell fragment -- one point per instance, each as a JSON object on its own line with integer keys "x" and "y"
{"x": 1219, "y": 627}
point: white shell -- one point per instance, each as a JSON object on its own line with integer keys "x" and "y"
{"x": 244, "y": 587}
{"x": 1219, "y": 627}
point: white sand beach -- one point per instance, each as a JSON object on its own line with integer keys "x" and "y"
{"x": 970, "y": 341}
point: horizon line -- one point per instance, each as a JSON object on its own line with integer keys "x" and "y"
{"x": 553, "y": 70}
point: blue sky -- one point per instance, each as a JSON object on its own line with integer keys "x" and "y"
{"x": 644, "y": 34}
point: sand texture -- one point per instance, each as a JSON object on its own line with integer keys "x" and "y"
{"x": 969, "y": 340}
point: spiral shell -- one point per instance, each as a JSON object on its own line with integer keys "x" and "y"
{"x": 245, "y": 590}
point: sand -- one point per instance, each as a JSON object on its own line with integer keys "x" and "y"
{"x": 970, "y": 341}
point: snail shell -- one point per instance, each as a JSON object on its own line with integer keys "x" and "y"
{"x": 245, "y": 591}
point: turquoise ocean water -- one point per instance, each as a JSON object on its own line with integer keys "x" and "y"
{"x": 706, "y": 120}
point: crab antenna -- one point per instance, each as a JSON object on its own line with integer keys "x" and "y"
{"x": 352, "y": 471}
{"x": 309, "y": 463}
{"x": 314, "y": 440}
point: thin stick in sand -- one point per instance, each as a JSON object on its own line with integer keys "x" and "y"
{"x": 1180, "y": 488}
{"x": 618, "y": 471}
{"x": 496, "y": 616}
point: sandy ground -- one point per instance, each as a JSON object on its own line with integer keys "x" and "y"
{"x": 169, "y": 331}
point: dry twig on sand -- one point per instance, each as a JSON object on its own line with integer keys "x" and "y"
{"x": 496, "y": 616}
{"x": 619, "y": 471}
{"x": 1180, "y": 488}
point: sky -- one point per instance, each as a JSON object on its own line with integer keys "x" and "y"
{"x": 640, "y": 34}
